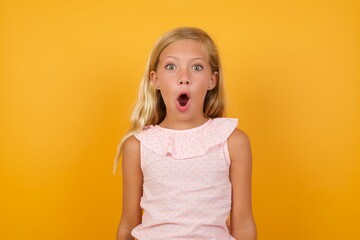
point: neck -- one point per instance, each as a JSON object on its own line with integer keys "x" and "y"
{"x": 182, "y": 124}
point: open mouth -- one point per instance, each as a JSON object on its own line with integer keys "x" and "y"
{"x": 183, "y": 99}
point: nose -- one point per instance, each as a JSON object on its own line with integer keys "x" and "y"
{"x": 181, "y": 81}
{"x": 184, "y": 78}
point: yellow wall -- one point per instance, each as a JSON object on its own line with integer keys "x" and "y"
{"x": 69, "y": 74}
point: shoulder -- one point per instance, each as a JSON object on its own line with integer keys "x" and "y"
{"x": 238, "y": 137}
{"x": 132, "y": 144}
{"x": 131, "y": 155}
{"x": 238, "y": 143}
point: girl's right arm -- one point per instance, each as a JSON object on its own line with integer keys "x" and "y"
{"x": 132, "y": 189}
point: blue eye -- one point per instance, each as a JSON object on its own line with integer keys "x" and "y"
{"x": 170, "y": 67}
{"x": 197, "y": 67}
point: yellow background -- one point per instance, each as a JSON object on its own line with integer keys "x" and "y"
{"x": 69, "y": 76}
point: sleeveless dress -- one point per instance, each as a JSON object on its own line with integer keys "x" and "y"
{"x": 186, "y": 185}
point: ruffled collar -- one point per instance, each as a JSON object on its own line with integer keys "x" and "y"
{"x": 188, "y": 143}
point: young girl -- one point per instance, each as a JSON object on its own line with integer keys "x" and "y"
{"x": 187, "y": 168}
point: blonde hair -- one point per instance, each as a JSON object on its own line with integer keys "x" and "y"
{"x": 150, "y": 108}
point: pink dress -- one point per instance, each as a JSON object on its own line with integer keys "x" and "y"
{"x": 186, "y": 189}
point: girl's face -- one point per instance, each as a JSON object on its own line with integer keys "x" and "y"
{"x": 183, "y": 77}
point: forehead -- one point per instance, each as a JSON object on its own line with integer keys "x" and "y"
{"x": 185, "y": 48}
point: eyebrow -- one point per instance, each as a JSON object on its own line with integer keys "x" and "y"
{"x": 196, "y": 58}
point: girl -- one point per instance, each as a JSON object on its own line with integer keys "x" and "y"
{"x": 187, "y": 168}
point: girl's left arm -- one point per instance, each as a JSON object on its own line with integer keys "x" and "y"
{"x": 242, "y": 224}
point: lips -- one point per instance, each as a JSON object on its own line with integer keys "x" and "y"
{"x": 183, "y": 102}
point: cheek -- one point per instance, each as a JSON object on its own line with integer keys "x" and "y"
{"x": 201, "y": 86}
{"x": 167, "y": 92}
{"x": 199, "y": 94}
{"x": 167, "y": 87}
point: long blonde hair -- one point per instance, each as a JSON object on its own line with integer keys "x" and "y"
{"x": 150, "y": 108}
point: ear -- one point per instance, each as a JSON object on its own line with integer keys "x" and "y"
{"x": 213, "y": 80}
{"x": 154, "y": 79}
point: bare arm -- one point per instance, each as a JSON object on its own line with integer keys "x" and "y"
{"x": 132, "y": 189}
{"x": 242, "y": 224}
